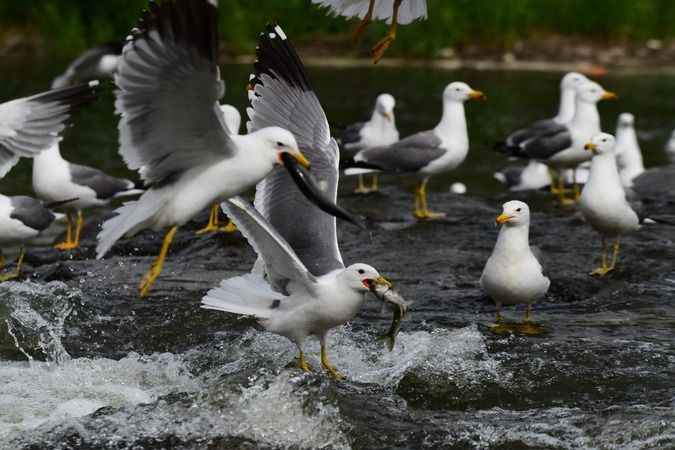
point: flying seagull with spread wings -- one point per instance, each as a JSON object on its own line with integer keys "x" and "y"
{"x": 172, "y": 129}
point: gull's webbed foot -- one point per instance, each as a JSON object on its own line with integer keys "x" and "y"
{"x": 67, "y": 245}
{"x": 229, "y": 228}
{"x": 602, "y": 271}
{"x": 429, "y": 215}
{"x": 378, "y": 50}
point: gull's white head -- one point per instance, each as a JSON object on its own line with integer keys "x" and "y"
{"x": 458, "y": 91}
{"x": 384, "y": 106}
{"x": 232, "y": 118}
{"x": 362, "y": 277}
{"x": 572, "y": 80}
{"x": 601, "y": 144}
{"x": 514, "y": 213}
{"x": 592, "y": 92}
{"x": 626, "y": 120}
{"x": 278, "y": 141}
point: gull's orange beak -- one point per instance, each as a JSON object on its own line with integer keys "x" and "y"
{"x": 607, "y": 95}
{"x": 502, "y": 219}
{"x": 591, "y": 147}
{"x": 477, "y": 95}
{"x": 379, "y": 281}
{"x": 300, "y": 158}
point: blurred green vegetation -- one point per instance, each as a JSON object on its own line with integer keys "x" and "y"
{"x": 69, "y": 26}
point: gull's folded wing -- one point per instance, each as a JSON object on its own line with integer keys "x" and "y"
{"x": 168, "y": 89}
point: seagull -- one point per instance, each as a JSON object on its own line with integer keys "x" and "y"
{"x": 512, "y": 274}
{"x": 628, "y": 153}
{"x": 605, "y": 204}
{"x": 232, "y": 120}
{"x": 519, "y": 140}
{"x": 562, "y": 147}
{"x": 426, "y": 153}
{"x": 173, "y": 132}
{"x": 54, "y": 179}
{"x": 21, "y": 219}
{"x": 30, "y": 125}
{"x": 393, "y": 12}
{"x": 283, "y": 294}
{"x": 96, "y": 62}
{"x": 533, "y": 176}
{"x": 379, "y": 131}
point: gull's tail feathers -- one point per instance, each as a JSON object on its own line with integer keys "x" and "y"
{"x": 130, "y": 218}
{"x": 248, "y": 295}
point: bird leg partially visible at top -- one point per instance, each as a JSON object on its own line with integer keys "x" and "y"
{"x": 374, "y": 184}
{"x": 385, "y": 43}
{"x": 361, "y": 187}
{"x": 421, "y": 209}
{"x": 17, "y": 271}
{"x": 529, "y": 327}
{"x": 213, "y": 225}
{"x": 332, "y": 371}
{"x": 71, "y": 241}
{"x": 358, "y": 32}
{"x": 604, "y": 269}
{"x": 156, "y": 269}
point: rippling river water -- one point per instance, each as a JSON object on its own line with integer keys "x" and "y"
{"x": 85, "y": 364}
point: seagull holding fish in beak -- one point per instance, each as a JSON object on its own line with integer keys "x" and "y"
{"x": 172, "y": 129}
{"x": 299, "y": 286}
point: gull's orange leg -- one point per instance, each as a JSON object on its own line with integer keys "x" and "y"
{"x": 156, "y": 268}
{"x": 385, "y": 43}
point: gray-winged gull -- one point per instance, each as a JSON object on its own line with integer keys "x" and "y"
{"x": 512, "y": 274}
{"x": 426, "y": 153}
{"x": 606, "y": 206}
{"x": 55, "y": 179}
{"x": 172, "y": 129}
{"x": 628, "y": 153}
{"x": 299, "y": 286}
{"x": 393, "y": 12}
{"x": 533, "y": 176}
{"x": 32, "y": 124}
{"x": 379, "y": 130}
{"x": 562, "y": 147}
{"x": 22, "y": 218}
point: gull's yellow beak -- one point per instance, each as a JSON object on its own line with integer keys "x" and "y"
{"x": 300, "y": 158}
{"x": 591, "y": 147}
{"x": 607, "y": 95}
{"x": 477, "y": 95}
{"x": 502, "y": 219}
{"x": 382, "y": 281}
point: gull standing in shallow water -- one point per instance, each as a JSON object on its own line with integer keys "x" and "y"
{"x": 299, "y": 286}
{"x": 172, "y": 129}
{"x": 512, "y": 274}
{"x": 393, "y": 12}
{"x": 563, "y": 146}
{"x": 531, "y": 177}
{"x": 426, "y": 153}
{"x": 379, "y": 131}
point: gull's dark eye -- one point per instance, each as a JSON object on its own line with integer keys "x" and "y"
{"x": 604, "y": 140}
{"x": 280, "y": 144}
{"x": 361, "y": 271}
{"x": 518, "y": 210}
{"x": 457, "y": 89}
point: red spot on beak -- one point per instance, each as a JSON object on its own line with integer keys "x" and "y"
{"x": 366, "y": 283}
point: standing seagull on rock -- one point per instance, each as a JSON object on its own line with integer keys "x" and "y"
{"x": 299, "y": 286}
{"x": 531, "y": 176}
{"x": 563, "y": 146}
{"x": 393, "y": 12}
{"x": 379, "y": 131}
{"x": 172, "y": 129}
{"x": 512, "y": 274}
{"x": 426, "y": 153}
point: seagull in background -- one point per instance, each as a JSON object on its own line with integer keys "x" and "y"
{"x": 379, "y": 131}
{"x": 628, "y": 153}
{"x": 172, "y": 129}
{"x": 426, "y": 153}
{"x": 393, "y": 12}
